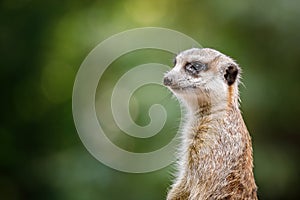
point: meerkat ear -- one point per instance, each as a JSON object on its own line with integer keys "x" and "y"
{"x": 231, "y": 74}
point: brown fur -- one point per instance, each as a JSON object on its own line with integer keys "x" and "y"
{"x": 216, "y": 153}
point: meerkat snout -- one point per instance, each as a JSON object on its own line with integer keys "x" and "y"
{"x": 167, "y": 81}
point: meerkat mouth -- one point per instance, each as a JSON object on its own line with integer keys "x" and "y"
{"x": 180, "y": 88}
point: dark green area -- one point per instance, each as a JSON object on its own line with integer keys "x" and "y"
{"x": 43, "y": 44}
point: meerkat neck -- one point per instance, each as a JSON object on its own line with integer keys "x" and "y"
{"x": 210, "y": 110}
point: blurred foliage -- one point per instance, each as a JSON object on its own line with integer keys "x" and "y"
{"x": 44, "y": 42}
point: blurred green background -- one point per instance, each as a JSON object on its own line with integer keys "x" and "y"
{"x": 43, "y": 44}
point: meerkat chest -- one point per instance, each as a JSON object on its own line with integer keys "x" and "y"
{"x": 212, "y": 146}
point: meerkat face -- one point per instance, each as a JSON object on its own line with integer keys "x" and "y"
{"x": 202, "y": 75}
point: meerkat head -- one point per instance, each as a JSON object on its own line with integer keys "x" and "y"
{"x": 204, "y": 77}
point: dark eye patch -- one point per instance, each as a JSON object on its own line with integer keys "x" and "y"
{"x": 194, "y": 68}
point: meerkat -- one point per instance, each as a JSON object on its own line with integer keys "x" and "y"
{"x": 215, "y": 157}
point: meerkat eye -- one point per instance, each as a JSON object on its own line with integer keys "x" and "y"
{"x": 174, "y": 61}
{"x": 195, "y": 67}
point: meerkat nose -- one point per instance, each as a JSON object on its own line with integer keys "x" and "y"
{"x": 167, "y": 81}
